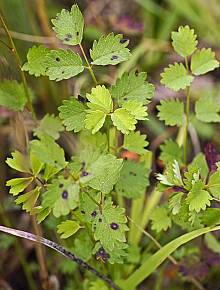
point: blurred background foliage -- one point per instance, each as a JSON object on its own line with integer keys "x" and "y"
{"x": 148, "y": 25}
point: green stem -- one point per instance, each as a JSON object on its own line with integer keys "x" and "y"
{"x": 88, "y": 64}
{"x": 187, "y": 112}
{"x": 19, "y": 64}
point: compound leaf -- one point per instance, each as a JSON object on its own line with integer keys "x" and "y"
{"x": 135, "y": 142}
{"x": 49, "y": 125}
{"x": 36, "y": 60}
{"x": 48, "y": 152}
{"x": 100, "y": 99}
{"x": 170, "y": 150}
{"x": 68, "y": 228}
{"x": 132, "y": 86}
{"x": 207, "y": 110}
{"x": 171, "y": 111}
{"x": 19, "y": 162}
{"x": 62, "y": 64}
{"x": 94, "y": 120}
{"x": 214, "y": 184}
{"x": 73, "y": 114}
{"x": 133, "y": 180}
{"x": 176, "y": 77}
{"x": 104, "y": 173}
{"x": 28, "y": 199}
{"x": 18, "y": 184}
{"x": 110, "y": 226}
{"x": 136, "y": 109}
{"x": 123, "y": 120}
{"x": 61, "y": 197}
{"x": 160, "y": 219}
{"x": 69, "y": 25}
{"x": 198, "y": 198}
{"x": 110, "y": 49}
{"x": 203, "y": 61}
{"x": 184, "y": 41}
{"x": 12, "y": 95}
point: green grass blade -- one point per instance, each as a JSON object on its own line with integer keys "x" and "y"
{"x": 151, "y": 264}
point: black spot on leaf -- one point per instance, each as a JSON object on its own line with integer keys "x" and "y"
{"x": 84, "y": 173}
{"x": 100, "y": 220}
{"x": 94, "y": 213}
{"x": 132, "y": 173}
{"x": 102, "y": 254}
{"x": 58, "y": 59}
{"x": 123, "y": 40}
{"x": 65, "y": 194}
{"x": 114, "y": 226}
{"x": 114, "y": 57}
{"x": 68, "y": 37}
{"x": 77, "y": 33}
{"x": 60, "y": 185}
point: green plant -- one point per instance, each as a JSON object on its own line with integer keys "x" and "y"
{"x": 88, "y": 191}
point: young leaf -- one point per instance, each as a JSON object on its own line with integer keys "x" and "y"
{"x": 36, "y": 59}
{"x": 12, "y": 95}
{"x": 49, "y": 125}
{"x": 175, "y": 202}
{"x": 198, "y": 198}
{"x": 62, "y": 195}
{"x": 176, "y": 77}
{"x": 132, "y": 86}
{"x": 191, "y": 176}
{"x": 170, "y": 150}
{"x": 160, "y": 219}
{"x": 94, "y": 120}
{"x": 135, "y": 142}
{"x": 18, "y": 184}
{"x": 110, "y": 226}
{"x": 67, "y": 228}
{"x": 214, "y": 184}
{"x": 109, "y": 50}
{"x": 123, "y": 120}
{"x": 28, "y": 199}
{"x": 133, "y": 180}
{"x": 171, "y": 111}
{"x": 73, "y": 114}
{"x": 207, "y": 110}
{"x": 184, "y": 41}
{"x": 100, "y": 99}
{"x": 62, "y": 64}
{"x": 136, "y": 109}
{"x": 18, "y": 162}
{"x": 203, "y": 61}
{"x": 68, "y": 25}
{"x": 104, "y": 173}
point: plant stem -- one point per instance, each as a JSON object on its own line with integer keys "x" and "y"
{"x": 88, "y": 64}
{"x": 187, "y": 116}
{"x": 19, "y": 64}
